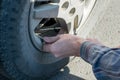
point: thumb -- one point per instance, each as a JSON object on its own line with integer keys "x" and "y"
{"x": 51, "y": 39}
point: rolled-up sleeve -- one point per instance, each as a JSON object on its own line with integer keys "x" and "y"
{"x": 105, "y": 61}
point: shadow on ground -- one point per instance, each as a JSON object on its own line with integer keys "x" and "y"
{"x": 65, "y": 75}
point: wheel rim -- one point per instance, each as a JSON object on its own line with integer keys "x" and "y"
{"x": 68, "y": 14}
{"x": 73, "y": 12}
{"x": 36, "y": 34}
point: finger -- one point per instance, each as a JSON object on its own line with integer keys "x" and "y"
{"x": 46, "y": 48}
{"x": 51, "y": 39}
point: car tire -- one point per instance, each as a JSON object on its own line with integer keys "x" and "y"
{"x": 16, "y": 46}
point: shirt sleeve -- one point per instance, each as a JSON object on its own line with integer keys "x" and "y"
{"x": 105, "y": 61}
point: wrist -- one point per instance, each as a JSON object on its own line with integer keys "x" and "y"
{"x": 79, "y": 43}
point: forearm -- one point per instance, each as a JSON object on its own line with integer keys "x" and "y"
{"x": 105, "y": 61}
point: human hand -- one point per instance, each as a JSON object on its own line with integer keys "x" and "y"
{"x": 63, "y": 45}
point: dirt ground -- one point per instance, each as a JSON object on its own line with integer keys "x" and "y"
{"x": 106, "y": 30}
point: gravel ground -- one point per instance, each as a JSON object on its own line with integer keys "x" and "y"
{"x": 106, "y": 30}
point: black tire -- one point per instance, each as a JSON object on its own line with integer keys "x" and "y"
{"x": 3, "y": 77}
{"x": 15, "y": 41}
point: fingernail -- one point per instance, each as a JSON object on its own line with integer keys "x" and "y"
{"x": 46, "y": 38}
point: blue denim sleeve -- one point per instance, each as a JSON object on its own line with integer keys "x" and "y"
{"x": 105, "y": 61}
